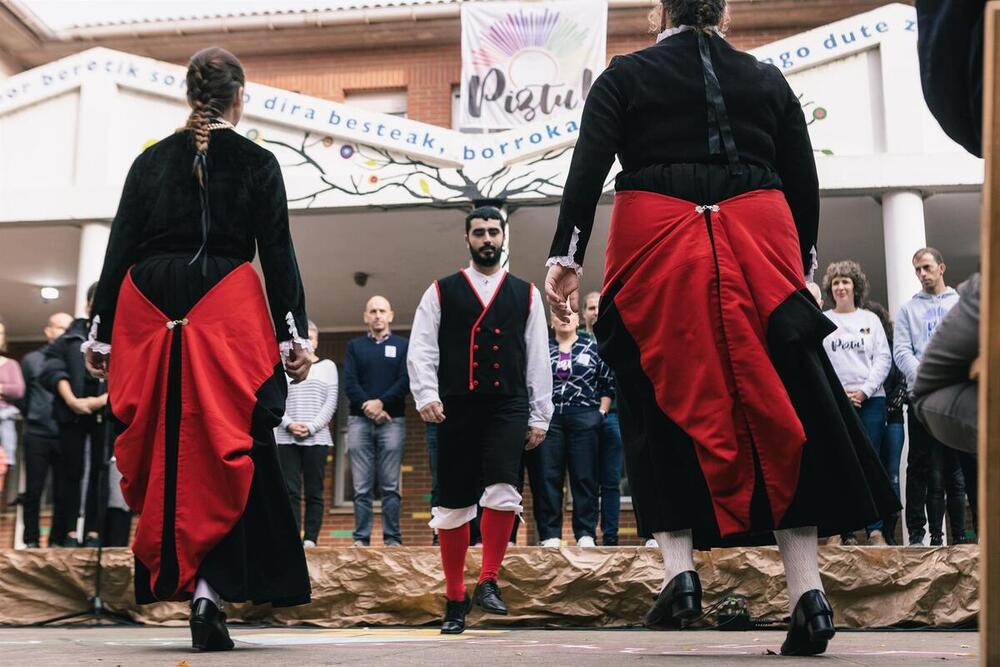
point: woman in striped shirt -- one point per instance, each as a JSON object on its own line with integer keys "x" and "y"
{"x": 304, "y": 439}
{"x": 582, "y": 391}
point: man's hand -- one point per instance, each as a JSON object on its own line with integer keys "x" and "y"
{"x": 372, "y": 408}
{"x": 96, "y": 364}
{"x": 299, "y": 430}
{"x": 857, "y": 397}
{"x": 97, "y": 403}
{"x": 533, "y": 438}
{"x": 433, "y": 412}
{"x": 382, "y": 418}
{"x": 80, "y": 406}
{"x": 297, "y": 364}
{"x": 562, "y": 291}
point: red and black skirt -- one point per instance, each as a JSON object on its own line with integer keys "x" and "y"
{"x": 733, "y": 419}
{"x": 196, "y": 387}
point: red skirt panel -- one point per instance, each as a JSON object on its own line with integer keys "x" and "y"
{"x": 696, "y": 290}
{"x": 228, "y": 351}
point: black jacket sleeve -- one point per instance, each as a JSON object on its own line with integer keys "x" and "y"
{"x": 277, "y": 255}
{"x": 601, "y": 135}
{"x": 796, "y": 165}
{"x": 950, "y": 46}
{"x": 120, "y": 255}
{"x": 55, "y": 367}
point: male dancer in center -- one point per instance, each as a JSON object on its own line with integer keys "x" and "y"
{"x": 479, "y": 368}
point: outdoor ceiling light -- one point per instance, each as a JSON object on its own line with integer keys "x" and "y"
{"x": 49, "y": 294}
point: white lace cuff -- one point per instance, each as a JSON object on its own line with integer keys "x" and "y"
{"x": 286, "y": 346}
{"x": 92, "y": 343}
{"x": 814, "y": 264}
{"x": 566, "y": 261}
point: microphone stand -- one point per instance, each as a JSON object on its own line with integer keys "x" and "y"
{"x": 96, "y": 613}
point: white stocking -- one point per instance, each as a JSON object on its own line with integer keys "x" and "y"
{"x": 677, "y": 548}
{"x": 203, "y": 590}
{"x": 799, "y": 553}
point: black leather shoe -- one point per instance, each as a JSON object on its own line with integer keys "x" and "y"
{"x": 487, "y": 597}
{"x": 454, "y": 616}
{"x": 811, "y": 627}
{"x": 208, "y": 627}
{"x": 677, "y": 603}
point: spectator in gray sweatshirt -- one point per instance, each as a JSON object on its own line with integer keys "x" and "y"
{"x": 930, "y": 467}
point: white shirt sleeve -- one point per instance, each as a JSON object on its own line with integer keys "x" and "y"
{"x": 536, "y": 339}
{"x": 881, "y": 357}
{"x": 423, "y": 355}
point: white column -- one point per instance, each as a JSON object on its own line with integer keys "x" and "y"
{"x": 93, "y": 243}
{"x": 903, "y": 227}
{"x": 505, "y": 251}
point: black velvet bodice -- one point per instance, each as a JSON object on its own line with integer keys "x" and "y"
{"x": 652, "y": 109}
{"x": 160, "y": 214}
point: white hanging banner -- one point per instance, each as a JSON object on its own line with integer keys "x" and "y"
{"x": 524, "y": 62}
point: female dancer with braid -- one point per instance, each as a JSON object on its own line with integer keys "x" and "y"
{"x": 196, "y": 383}
{"x": 734, "y": 422}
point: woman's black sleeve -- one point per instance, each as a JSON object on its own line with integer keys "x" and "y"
{"x": 120, "y": 255}
{"x": 796, "y": 165}
{"x": 277, "y": 255}
{"x": 601, "y": 131}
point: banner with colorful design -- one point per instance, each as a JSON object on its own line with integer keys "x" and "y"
{"x": 524, "y": 62}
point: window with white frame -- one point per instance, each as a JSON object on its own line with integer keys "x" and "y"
{"x": 392, "y": 102}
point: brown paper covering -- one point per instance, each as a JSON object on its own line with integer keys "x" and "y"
{"x": 569, "y": 587}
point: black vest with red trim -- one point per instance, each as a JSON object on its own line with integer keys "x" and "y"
{"x": 482, "y": 345}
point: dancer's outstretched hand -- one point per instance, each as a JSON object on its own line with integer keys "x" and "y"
{"x": 562, "y": 291}
{"x": 297, "y": 364}
{"x": 96, "y": 364}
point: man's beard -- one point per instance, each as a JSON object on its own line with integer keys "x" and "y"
{"x": 481, "y": 260}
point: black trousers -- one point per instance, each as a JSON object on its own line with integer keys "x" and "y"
{"x": 306, "y": 464}
{"x": 934, "y": 482}
{"x": 117, "y": 527}
{"x": 40, "y": 454}
{"x": 72, "y": 450}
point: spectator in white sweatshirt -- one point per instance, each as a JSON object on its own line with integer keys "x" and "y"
{"x": 860, "y": 354}
{"x": 304, "y": 439}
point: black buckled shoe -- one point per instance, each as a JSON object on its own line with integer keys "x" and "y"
{"x": 487, "y": 597}
{"x": 208, "y": 627}
{"x": 455, "y": 612}
{"x": 811, "y": 626}
{"x": 678, "y": 603}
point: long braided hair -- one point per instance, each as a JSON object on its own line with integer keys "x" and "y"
{"x": 214, "y": 78}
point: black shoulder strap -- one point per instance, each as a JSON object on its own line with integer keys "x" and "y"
{"x": 720, "y": 131}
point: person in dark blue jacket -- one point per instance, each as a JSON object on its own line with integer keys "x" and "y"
{"x": 376, "y": 383}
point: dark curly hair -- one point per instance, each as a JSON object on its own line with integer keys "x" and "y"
{"x": 699, "y": 14}
{"x": 847, "y": 269}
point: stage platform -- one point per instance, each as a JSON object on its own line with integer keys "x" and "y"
{"x": 568, "y": 587}
{"x": 417, "y": 647}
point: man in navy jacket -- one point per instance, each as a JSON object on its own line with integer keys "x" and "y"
{"x": 376, "y": 383}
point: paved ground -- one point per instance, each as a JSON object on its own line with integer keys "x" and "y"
{"x": 411, "y": 647}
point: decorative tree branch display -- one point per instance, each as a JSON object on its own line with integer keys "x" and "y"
{"x": 815, "y": 114}
{"x": 374, "y": 170}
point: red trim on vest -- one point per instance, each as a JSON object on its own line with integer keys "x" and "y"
{"x": 228, "y": 352}
{"x": 472, "y": 332}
